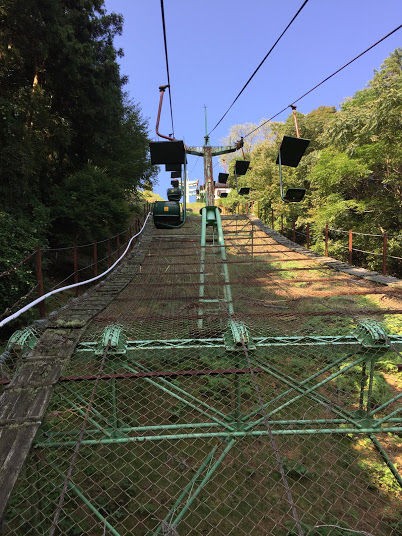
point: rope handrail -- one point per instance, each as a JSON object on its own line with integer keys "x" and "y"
{"x": 74, "y": 285}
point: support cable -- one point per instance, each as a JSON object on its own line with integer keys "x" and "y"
{"x": 260, "y": 65}
{"x": 167, "y": 63}
{"x": 326, "y": 79}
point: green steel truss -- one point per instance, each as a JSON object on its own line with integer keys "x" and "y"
{"x": 98, "y": 412}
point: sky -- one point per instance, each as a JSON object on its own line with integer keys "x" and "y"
{"x": 215, "y": 45}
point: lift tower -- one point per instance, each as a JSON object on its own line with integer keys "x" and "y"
{"x": 207, "y": 152}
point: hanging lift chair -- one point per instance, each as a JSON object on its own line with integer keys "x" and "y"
{"x": 290, "y": 153}
{"x": 241, "y": 167}
{"x": 167, "y": 214}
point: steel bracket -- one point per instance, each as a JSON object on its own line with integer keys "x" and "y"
{"x": 237, "y": 336}
{"x": 22, "y": 340}
{"x": 371, "y": 335}
{"x": 113, "y": 341}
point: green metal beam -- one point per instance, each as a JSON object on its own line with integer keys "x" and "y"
{"x": 223, "y": 435}
{"x": 171, "y": 392}
{"x": 218, "y": 342}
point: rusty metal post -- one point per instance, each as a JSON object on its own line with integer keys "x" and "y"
{"x": 117, "y": 246}
{"x": 208, "y": 177}
{"x": 95, "y": 258}
{"x": 39, "y": 279}
{"x": 308, "y": 236}
{"x": 108, "y": 253}
{"x": 294, "y": 230}
{"x": 252, "y": 240}
{"x": 326, "y": 240}
{"x": 272, "y": 218}
{"x": 384, "y": 253}
{"x": 350, "y": 246}
{"x": 75, "y": 263}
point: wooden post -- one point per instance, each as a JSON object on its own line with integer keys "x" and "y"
{"x": 350, "y": 246}
{"x": 118, "y": 246}
{"x": 384, "y": 253}
{"x": 95, "y": 258}
{"x": 294, "y": 230}
{"x": 308, "y": 236}
{"x": 39, "y": 279}
{"x": 75, "y": 263}
{"x": 326, "y": 240}
{"x": 108, "y": 253}
{"x": 252, "y": 241}
{"x": 272, "y": 218}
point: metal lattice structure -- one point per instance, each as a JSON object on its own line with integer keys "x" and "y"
{"x": 234, "y": 386}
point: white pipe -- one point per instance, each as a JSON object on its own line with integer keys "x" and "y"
{"x": 74, "y": 285}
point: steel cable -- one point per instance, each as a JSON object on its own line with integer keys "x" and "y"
{"x": 167, "y": 63}
{"x": 259, "y": 66}
{"x": 326, "y": 79}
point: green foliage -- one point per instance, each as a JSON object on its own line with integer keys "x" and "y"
{"x": 73, "y": 149}
{"x": 17, "y": 240}
{"x": 90, "y": 205}
{"x": 350, "y": 383}
{"x": 351, "y": 169}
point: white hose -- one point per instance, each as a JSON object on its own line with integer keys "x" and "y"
{"x": 74, "y": 285}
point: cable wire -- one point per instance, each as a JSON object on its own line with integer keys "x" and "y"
{"x": 167, "y": 63}
{"x": 326, "y": 79}
{"x": 260, "y": 65}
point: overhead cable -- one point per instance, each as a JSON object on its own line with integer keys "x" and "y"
{"x": 167, "y": 63}
{"x": 259, "y": 65}
{"x": 326, "y": 79}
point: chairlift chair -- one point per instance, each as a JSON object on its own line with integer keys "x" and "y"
{"x": 223, "y": 178}
{"x": 241, "y": 167}
{"x": 244, "y": 190}
{"x": 173, "y": 167}
{"x": 167, "y": 152}
{"x": 290, "y": 153}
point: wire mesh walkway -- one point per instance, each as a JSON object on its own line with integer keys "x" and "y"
{"x": 191, "y": 407}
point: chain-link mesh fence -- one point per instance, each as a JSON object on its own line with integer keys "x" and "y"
{"x": 237, "y": 390}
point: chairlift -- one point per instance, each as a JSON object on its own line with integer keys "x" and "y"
{"x": 241, "y": 167}
{"x": 290, "y": 153}
{"x": 167, "y": 214}
{"x": 223, "y": 194}
{"x": 167, "y": 152}
{"x": 223, "y": 177}
{"x": 174, "y": 194}
{"x": 173, "y": 167}
{"x": 244, "y": 190}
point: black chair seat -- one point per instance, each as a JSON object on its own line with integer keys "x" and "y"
{"x": 167, "y": 152}
{"x": 244, "y": 190}
{"x": 241, "y": 167}
{"x": 294, "y": 195}
{"x": 292, "y": 149}
{"x": 173, "y": 167}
